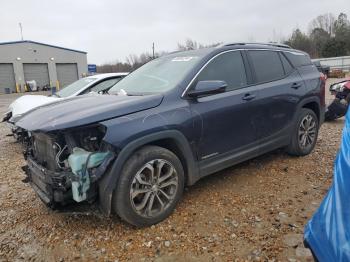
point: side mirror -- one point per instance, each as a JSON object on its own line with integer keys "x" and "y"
{"x": 205, "y": 88}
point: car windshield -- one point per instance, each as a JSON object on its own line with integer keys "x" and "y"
{"x": 74, "y": 87}
{"x": 157, "y": 76}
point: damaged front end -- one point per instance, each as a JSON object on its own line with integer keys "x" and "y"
{"x": 18, "y": 133}
{"x": 6, "y": 117}
{"x": 65, "y": 166}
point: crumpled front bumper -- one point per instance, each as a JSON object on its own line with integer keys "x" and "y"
{"x": 56, "y": 187}
{"x": 51, "y": 187}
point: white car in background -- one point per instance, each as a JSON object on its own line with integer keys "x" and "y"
{"x": 97, "y": 83}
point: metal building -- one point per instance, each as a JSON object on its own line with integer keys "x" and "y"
{"x": 23, "y": 61}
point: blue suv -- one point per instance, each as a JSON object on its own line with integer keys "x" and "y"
{"x": 173, "y": 121}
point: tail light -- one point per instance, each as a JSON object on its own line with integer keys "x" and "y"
{"x": 323, "y": 79}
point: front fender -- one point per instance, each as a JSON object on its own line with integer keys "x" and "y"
{"x": 109, "y": 181}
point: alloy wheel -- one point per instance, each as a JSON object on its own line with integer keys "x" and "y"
{"x": 154, "y": 188}
{"x": 307, "y": 131}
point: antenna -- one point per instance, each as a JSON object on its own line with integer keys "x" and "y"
{"x": 20, "y": 27}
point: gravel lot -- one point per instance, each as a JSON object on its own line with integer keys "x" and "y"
{"x": 254, "y": 211}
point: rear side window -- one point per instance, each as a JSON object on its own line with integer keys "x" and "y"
{"x": 298, "y": 59}
{"x": 228, "y": 67}
{"x": 267, "y": 65}
{"x": 286, "y": 65}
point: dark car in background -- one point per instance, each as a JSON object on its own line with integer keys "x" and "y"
{"x": 322, "y": 68}
{"x": 173, "y": 121}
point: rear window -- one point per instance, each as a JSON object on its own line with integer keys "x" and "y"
{"x": 267, "y": 65}
{"x": 286, "y": 65}
{"x": 298, "y": 59}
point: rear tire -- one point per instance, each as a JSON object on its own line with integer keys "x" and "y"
{"x": 150, "y": 186}
{"x": 305, "y": 133}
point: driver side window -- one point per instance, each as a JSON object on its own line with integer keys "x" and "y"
{"x": 228, "y": 67}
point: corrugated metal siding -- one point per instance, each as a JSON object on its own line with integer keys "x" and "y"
{"x": 66, "y": 74}
{"x": 37, "y": 72}
{"x": 7, "y": 78}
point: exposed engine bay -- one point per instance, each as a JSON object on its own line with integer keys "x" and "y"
{"x": 64, "y": 165}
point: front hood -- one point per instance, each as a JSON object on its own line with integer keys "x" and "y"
{"x": 83, "y": 110}
{"x": 25, "y": 103}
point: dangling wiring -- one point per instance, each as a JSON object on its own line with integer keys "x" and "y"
{"x": 58, "y": 155}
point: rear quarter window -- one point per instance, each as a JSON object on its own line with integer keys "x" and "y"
{"x": 267, "y": 65}
{"x": 286, "y": 65}
{"x": 298, "y": 59}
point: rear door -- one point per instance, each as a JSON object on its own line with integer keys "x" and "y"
{"x": 281, "y": 88}
{"x": 309, "y": 74}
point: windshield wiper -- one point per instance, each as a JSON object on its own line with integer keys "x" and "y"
{"x": 122, "y": 92}
{"x": 136, "y": 94}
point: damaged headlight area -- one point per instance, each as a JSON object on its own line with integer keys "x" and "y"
{"x": 65, "y": 165}
{"x": 6, "y": 117}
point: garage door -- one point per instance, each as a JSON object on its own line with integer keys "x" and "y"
{"x": 37, "y": 72}
{"x": 7, "y": 78}
{"x": 66, "y": 74}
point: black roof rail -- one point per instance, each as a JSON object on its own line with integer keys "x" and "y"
{"x": 268, "y": 44}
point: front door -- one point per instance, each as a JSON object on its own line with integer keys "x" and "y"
{"x": 225, "y": 121}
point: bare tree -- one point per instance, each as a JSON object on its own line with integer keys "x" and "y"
{"x": 188, "y": 45}
{"x": 301, "y": 41}
{"x": 325, "y": 22}
{"x": 191, "y": 44}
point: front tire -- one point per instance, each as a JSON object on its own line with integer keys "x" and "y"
{"x": 150, "y": 186}
{"x": 305, "y": 134}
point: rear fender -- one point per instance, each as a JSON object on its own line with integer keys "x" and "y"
{"x": 306, "y": 101}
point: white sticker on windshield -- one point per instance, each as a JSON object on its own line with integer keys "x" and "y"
{"x": 183, "y": 59}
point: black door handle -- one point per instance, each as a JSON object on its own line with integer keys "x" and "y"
{"x": 296, "y": 85}
{"x": 248, "y": 97}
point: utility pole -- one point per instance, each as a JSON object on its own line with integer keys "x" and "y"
{"x": 20, "y": 27}
{"x": 153, "y": 50}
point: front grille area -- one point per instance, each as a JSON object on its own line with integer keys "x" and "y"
{"x": 44, "y": 151}
{"x": 52, "y": 187}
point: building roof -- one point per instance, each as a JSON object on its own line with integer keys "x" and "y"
{"x": 38, "y": 43}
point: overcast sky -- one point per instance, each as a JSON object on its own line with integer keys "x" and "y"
{"x": 110, "y": 30}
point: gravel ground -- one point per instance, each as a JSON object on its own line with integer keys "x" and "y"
{"x": 255, "y": 211}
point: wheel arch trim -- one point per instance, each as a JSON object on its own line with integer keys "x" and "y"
{"x": 109, "y": 181}
{"x": 309, "y": 100}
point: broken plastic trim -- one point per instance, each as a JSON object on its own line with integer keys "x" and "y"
{"x": 7, "y": 116}
{"x": 81, "y": 162}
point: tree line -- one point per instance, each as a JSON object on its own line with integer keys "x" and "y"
{"x": 133, "y": 61}
{"x": 327, "y": 36}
